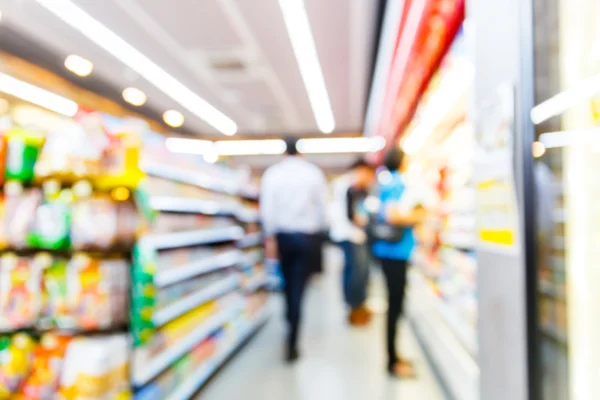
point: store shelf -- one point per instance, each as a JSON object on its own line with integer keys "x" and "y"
{"x": 193, "y": 206}
{"x": 250, "y": 240}
{"x": 549, "y": 289}
{"x": 256, "y": 282}
{"x": 143, "y": 371}
{"x": 560, "y": 215}
{"x": 196, "y": 268}
{"x": 460, "y": 241}
{"x": 456, "y": 366}
{"x": 194, "y": 238}
{"x": 553, "y": 334}
{"x": 248, "y": 215}
{"x": 190, "y": 302}
{"x": 463, "y": 333}
{"x": 195, "y": 381}
{"x": 182, "y": 175}
{"x": 251, "y": 258}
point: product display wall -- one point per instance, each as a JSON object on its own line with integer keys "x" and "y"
{"x": 114, "y": 284}
{"x": 444, "y": 284}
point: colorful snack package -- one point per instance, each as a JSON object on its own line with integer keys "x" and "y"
{"x": 16, "y": 355}
{"x": 20, "y": 291}
{"x": 48, "y": 359}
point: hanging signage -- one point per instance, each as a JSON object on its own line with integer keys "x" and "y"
{"x": 439, "y": 23}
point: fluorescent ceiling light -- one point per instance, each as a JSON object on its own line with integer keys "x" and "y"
{"x": 341, "y": 145}
{"x": 274, "y": 146}
{"x": 567, "y": 138}
{"x": 560, "y": 103}
{"x": 130, "y": 56}
{"x": 79, "y": 65}
{"x": 134, "y": 96}
{"x": 299, "y": 31}
{"x": 173, "y": 118}
{"x": 250, "y": 147}
{"x": 189, "y": 146}
{"x": 37, "y": 96}
{"x": 453, "y": 86}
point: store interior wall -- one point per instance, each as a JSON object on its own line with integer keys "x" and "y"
{"x": 503, "y": 355}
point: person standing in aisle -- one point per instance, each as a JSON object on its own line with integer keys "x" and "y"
{"x": 348, "y": 230}
{"x": 399, "y": 212}
{"x": 293, "y": 203}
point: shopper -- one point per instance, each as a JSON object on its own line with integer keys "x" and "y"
{"x": 348, "y": 230}
{"x": 293, "y": 203}
{"x": 398, "y": 213}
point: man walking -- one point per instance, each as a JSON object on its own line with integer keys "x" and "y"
{"x": 293, "y": 203}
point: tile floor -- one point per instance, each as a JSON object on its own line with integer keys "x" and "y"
{"x": 338, "y": 363}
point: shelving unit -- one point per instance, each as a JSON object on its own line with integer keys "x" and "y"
{"x": 202, "y": 266}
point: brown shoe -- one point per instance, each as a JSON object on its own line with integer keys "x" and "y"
{"x": 403, "y": 369}
{"x": 357, "y": 317}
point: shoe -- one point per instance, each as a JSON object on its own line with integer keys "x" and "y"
{"x": 292, "y": 356}
{"x": 357, "y": 318}
{"x": 403, "y": 369}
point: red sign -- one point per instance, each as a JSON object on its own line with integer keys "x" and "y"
{"x": 427, "y": 32}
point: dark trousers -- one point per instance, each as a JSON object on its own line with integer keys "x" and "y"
{"x": 295, "y": 255}
{"x": 395, "y": 272}
{"x": 355, "y": 277}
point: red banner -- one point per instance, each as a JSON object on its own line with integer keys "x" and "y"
{"x": 427, "y": 32}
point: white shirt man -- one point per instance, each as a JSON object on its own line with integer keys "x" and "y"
{"x": 293, "y": 203}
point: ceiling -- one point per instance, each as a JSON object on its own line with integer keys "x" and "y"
{"x": 235, "y": 54}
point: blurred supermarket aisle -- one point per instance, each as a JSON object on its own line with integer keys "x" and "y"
{"x": 337, "y": 363}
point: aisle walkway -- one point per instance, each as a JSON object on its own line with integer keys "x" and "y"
{"x": 338, "y": 363}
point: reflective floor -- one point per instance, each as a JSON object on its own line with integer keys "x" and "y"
{"x": 338, "y": 363}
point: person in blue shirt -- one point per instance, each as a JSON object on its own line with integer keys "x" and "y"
{"x": 399, "y": 210}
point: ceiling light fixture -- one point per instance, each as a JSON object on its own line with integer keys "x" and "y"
{"x": 299, "y": 31}
{"x": 274, "y": 146}
{"x": 189, "y": 146}
{"x": 250, "y": 147}
{"x": 173, "y": 118}
{"x": 556, "y": 105}
{"x": 452, "y": 88}
{"x": 79, "y": 65}
{"x": 77, "y": 18}
{"x": 341, "y": 145}
{"x": 134, "y": 96}
{"x": 37, "y": 96}
{"x": 553, "y": 140}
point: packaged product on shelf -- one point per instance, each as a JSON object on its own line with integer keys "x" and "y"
{"x": 56, "y": 311}
{"x": 120, "y": 163}
{"x": 46, "y": 369}
{"x": 20, "y": 291}
{"x": 96, "y": 368}
{"x": 97, "y": 292}
{"x": 3, "y": 225}
{"x": 50, "y": 229}
{"x": 16, "y": 355}
{"x": 95, "y": 222}
{"x": 20, "y": 208}
{"x": 3, "y": 151}
{"x": 23, "y": 148}
{"x": 69, "y": 154}
{"x": 103, "y": 221}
